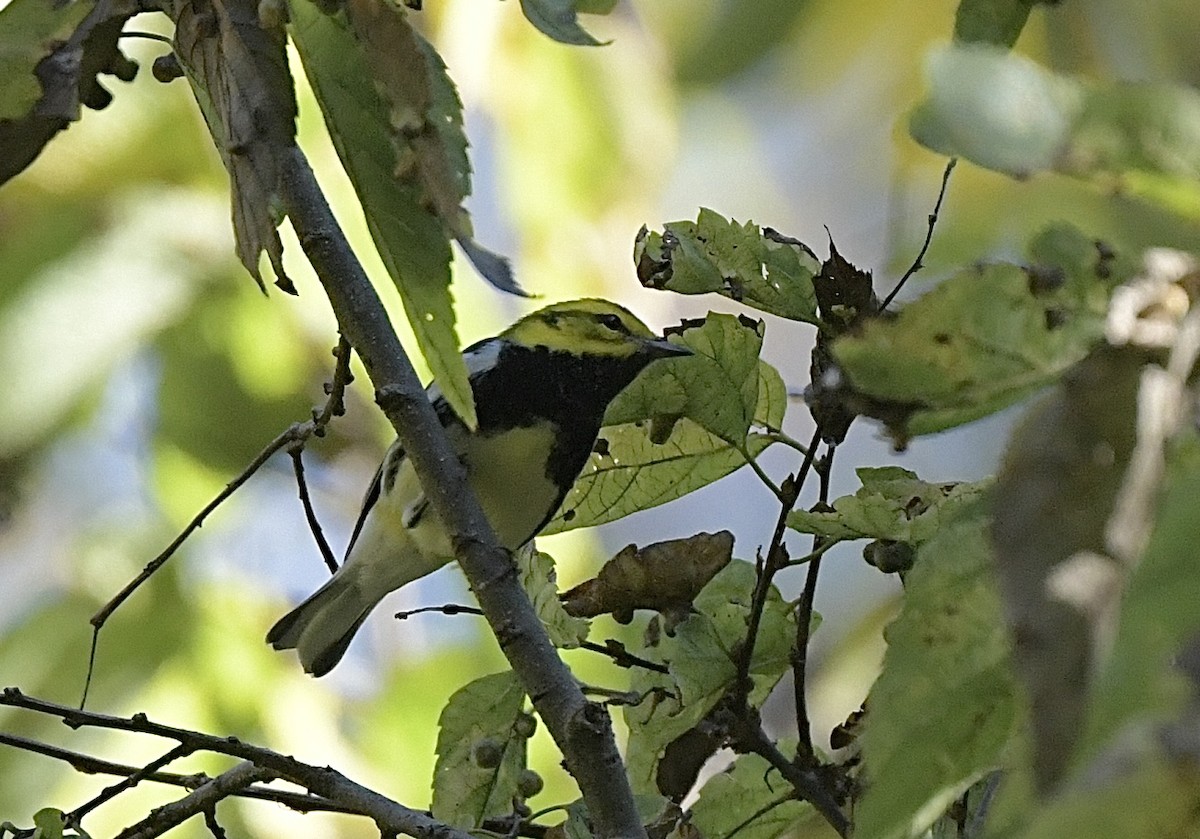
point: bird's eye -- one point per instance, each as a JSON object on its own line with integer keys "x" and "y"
{"x": 612, "y": 322}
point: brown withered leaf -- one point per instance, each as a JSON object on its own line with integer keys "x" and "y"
{"x": 665, "y": 577}
{"x": 239, "y": 74}
{"x": 52, "y": 56}
{"x": 426, "y": 125}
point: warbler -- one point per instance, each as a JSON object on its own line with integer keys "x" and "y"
{"x": 541, "y": 388}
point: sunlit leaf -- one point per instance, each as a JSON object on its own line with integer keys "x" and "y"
{"x": 713, "y": 254}
{"x": 893, "y": 504}
{"x": 397, "y": 183}
{"x": 650, "y": 452}
{"x": 717, "y": 386}
{"x": 985, "y": 337}
{"x": 635, "y": 473}
{"x": 48, "y": 824}
{"x": 559, "y": 19}
{"x": 702, "y": 657}
{"x": 736, "y": 803}
{"x": 480, "y": 755}
{"x": 536, "y": 571}
{"x": 943, "y": 707}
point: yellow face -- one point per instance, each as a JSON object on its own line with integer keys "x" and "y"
{"x": 585, "y": 327}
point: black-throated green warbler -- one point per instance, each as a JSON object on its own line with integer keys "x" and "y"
{"x": 541, "y": 388}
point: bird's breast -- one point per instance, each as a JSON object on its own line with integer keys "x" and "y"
{"x": 508, "y": 471}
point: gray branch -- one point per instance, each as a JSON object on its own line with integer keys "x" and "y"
{"x": 582, "y": 729}
{"x": 199, "y": 800}
{"x": 323, "y": 781}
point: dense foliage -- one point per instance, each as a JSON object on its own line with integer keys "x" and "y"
{"x": 1040, "y": 675}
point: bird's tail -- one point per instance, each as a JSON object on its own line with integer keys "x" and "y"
{"x": 321, "y": 628}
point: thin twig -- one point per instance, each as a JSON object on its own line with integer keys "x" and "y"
{"x": 749, "y": 737}
{"x": 773, "y": 561}
{"x": 818, "y": 551}
{"x": 200, "y": 800}
{"x": 763, "y": 476}
{"x": 295, "y": 435}
{"x": 622, "y": 657}
{"x": 91, "y": 765}
{"x": 127, "y": 783}
{"x": 325, "y": 782}
{"x": 296, "y": 452}
{"x": 214, "y": 826}
{"x": 296, "y": 432}
{"x": 917, "y": 265}
{"x": 779, "y": 437}
{"x": 804, "y": 612}
{"x": 444, "y": 609}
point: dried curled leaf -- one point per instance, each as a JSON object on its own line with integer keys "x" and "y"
{"x": 50, "y": 57}
{"x": 666, "y": 577}
{"x": 239, "y": 74}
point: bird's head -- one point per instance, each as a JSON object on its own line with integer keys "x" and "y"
{"x": 591, "y": 327}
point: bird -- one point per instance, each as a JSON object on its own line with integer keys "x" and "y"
{"x": 541, "y": 388}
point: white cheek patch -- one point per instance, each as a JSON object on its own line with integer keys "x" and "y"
{"x": 479, "y": 359}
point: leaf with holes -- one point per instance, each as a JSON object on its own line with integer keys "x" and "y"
{"x": 629, "y": 471}
{"x": 409, "y": 175}
{"x": 892, "y": 504}
{"x": 701, "y": 658}
{"x": 738, "y": 803}
{"x": 713, "y": 254}
{"x": 479, "y": 754}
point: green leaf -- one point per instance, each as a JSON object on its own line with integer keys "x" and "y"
{"x": 536, "y": 571}
{"x": 1153, "y": 800}
{"x": 48, "y": 824}
{"x": 717, "y": 386}
{"x": 636, "y": 474}
{"x": 984, "y": 338}
{"x": 943, "y": 707}
{"x": 714, "y": 254}
{"x": 480, "y": 756}
{"x": 558, "y": 19}
{"x": 996, "y": 22}
{"x": 409, "y": 181}
{"x": 701, "y": 658}
{"x": 634, "y": 468}
{"x": 738, "y": 803}
{"x": 1005, "y": 112}
{"x": 893, "y": 504}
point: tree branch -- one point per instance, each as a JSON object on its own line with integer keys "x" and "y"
{"x": 323, "y": 781}
{"x": 200, "y": 800}
{"x": 582, "y": 729}
{"x": 293, "y": 438}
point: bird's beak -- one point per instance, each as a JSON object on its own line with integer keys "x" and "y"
{"x": 662, "y": 348}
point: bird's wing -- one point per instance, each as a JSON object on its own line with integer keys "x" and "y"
{"x": 369, "y": 501}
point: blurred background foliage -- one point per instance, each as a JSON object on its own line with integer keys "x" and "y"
{"x": 143, "y": 369}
